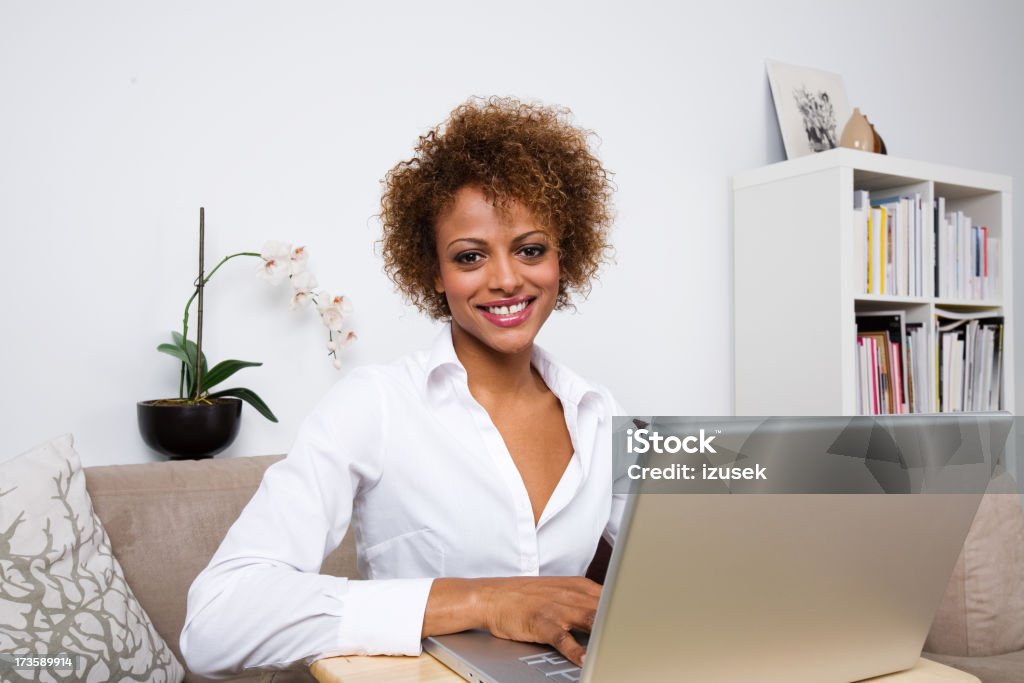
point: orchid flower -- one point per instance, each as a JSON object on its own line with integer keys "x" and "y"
{"x": 277, "y": 260}
{"x": 335, "y": 345}
{"x": 304, "y": 283}
{"x": 297, "y": 260}
{"x": 338, "y": 302}
{"x": 332, "y": 311}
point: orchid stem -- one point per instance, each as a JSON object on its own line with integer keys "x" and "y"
{"x": 198, "y": 370}
{"x": 184, "y": 320}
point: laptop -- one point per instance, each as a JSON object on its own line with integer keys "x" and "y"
{"x": 830, "y": 569}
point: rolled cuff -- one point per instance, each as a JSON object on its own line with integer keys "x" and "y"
{"x": 383, "y": 617}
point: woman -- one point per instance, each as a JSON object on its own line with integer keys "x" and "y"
{"x": 476, "y": 475}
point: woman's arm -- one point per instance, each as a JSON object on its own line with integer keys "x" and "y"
{"x": 528, "y": 608}
{"x": 261, "y": 601}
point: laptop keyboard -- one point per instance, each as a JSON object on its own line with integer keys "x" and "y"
{"x": 554, "y": 666}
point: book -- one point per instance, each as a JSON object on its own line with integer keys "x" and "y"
{"x": 893, "y": 324}
{"x": 918, "y": 365}
{"x": 881, "y": 372}
{"x": 938, "y": 230}
{"x": 877, "y": 239}
{"x": 862, "y": 240}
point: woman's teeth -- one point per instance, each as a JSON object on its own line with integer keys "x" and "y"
{"x": 506, "y": 310}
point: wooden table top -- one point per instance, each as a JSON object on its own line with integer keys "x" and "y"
{"x": 422, "y": 669}
{"x": 426, "y": 669}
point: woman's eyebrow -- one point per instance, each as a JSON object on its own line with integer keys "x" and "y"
{"x": 529, "y": 235}
{"x": 471, "y": 240}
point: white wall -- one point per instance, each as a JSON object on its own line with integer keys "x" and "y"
{"x": 118, "y": 120}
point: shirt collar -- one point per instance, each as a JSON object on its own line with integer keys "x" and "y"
{"x": 441, "y": 358}
{"x": 566, "y": 384}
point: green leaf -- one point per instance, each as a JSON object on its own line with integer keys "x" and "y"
{"x": 221, "y": 371}
{"x": 176, "y": 351}
{"x": 190, "y": 350}
{"x": 249, "y": 397}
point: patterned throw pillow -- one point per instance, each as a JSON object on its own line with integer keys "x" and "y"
{"x": 62, "y": 592}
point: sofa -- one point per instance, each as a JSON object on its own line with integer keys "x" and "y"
{"x": 166, "y": 519}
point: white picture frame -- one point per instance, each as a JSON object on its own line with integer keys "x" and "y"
{"x": 811, "y": 106}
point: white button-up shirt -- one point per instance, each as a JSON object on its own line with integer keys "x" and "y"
{"x": 406, "y": 456}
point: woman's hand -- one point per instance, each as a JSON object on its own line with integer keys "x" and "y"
{"x": 542, "y": 610}
{"x": 536, "y": 609}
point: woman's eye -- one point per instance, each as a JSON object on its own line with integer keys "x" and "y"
{"x": 468, "y": 257}
{"x": 532, "y": 251}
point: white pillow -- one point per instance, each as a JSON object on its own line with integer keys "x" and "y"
{"x": 61, "y": 589}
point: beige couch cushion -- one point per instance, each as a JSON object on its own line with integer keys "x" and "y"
{"x": 166, "y": 519}
{"x": 982, "y": 613}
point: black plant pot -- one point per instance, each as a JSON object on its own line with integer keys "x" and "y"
{"x": 189, "y": 432}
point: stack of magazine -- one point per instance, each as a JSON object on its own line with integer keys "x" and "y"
{"x": 952, "y": 365}
{"x": 969, "y": 361}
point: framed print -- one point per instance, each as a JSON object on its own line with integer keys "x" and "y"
{"x": 811, "y": 106}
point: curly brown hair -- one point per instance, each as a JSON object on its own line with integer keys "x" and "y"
{"x": 515, "y": 152}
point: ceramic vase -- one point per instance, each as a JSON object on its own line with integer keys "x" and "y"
{"x": 879, "y": 142}
{"x": 857, "y": 134}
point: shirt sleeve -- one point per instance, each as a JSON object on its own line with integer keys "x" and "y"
{"x": 611, "y": 530}
{"x": 261, "y": 601}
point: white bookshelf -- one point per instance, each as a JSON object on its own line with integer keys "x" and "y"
{"x": 796, "y": 283}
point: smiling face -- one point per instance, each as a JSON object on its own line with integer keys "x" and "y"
{"x": 498, "y": 270}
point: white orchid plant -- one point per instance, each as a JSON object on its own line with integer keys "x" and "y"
{"x": 279, "y": 263}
